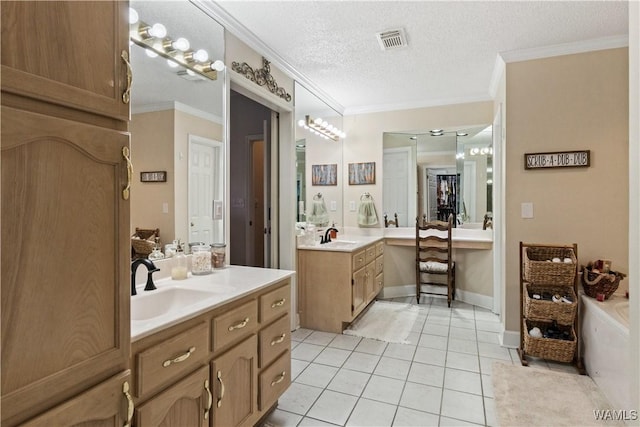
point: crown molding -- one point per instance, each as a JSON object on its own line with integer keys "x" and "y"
{"x": 173, "y": 105}
{"x": 611, "y": 42}
{"x": 232, "y": 25}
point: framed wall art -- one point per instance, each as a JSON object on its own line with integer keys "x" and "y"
{"x": 362, "y": 173}
{"x": 324, "y": 174}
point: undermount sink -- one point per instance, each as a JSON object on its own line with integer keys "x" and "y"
{"x": 340, "y": 244}
{"x": 150, "y": 304}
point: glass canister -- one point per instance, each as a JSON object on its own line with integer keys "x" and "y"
{"x": 218, "y": 254}
{"x": 200, "y": 260}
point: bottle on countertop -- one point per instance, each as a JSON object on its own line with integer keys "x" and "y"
{"x": 179, "y": 270}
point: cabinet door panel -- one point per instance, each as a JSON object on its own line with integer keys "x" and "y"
{"x": 358, "y": 291}
{"x": 105, "y": 405}
{"x": 67, "y": 52}
{"x": 184, "y": 404}
{"x": 236, "y": 393}
{"x": 65, "y": 245}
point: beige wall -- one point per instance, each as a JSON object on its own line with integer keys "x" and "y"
{"x": 151, "y": 150}
{"x": 157, "y": 138}
{"x": 570, "y": 102}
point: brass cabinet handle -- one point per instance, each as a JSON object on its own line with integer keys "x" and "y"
{"x": 219, "y": 402}
{"x": 126, "y": 95}
{"x": 278, "y": 379}
{"x": 180, "y": 358}
{"x": 209, "y": 399}
{"x": 126, "y": 153}
{"x": 239, "y": 325}
{"x": 279, "y": 339}
{"x": 279, "y": 303}
{"x": 130, "y": 407}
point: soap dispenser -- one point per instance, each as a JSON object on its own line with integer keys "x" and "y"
{"x": 179, "y": 269}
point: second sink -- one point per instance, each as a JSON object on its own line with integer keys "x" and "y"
{"x": 152, "y": 304}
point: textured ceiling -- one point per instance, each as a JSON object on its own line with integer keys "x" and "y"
{"x": 453, "y": 45}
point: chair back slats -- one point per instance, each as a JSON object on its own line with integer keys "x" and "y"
{"x": 434, "y": 255}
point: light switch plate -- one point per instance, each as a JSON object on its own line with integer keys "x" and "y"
{"x": 526, "y": 210}
{"x": 334, "y": 205}
{"x": 352, "y": 206}
{"x": 165, "y": 207}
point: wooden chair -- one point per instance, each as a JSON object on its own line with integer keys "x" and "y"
{"x": 434, "y": 257}
{"x": 388, "y": 222}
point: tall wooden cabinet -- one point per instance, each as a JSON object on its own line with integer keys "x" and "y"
{"x": 65, "y": 222}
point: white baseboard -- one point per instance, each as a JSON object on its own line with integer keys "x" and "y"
{"x": 472, "y": 298}
{"x": 510, "y": 339}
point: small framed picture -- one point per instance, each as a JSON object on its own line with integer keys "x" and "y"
{"x": 324, "y": 174}
{"x": 362, "y": 173}
{"x": 153, "y": 176}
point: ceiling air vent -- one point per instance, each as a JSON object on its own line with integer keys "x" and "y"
{"x": 392, "y": 39}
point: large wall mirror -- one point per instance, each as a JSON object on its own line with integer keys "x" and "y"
{"x": 319, "y": 177}
{"x": 438, "y": 173}
{"x": 177, "y": 130}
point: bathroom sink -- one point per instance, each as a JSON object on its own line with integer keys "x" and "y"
{"x": 340, "y": 244}
{"x": 150, "y": 304}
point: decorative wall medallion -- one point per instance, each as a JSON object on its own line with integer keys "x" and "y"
{"x": 261, "y": 77}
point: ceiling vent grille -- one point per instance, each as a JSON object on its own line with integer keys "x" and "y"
{"x": 392, "y": 39}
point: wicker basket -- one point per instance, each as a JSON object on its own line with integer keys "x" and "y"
{"x": 548, "y": 348}
{"x": 600, "y": 283}
{"x": 143, "y": 241}
{"x": 562, "y": 312}
{"x": 537, "y": 268}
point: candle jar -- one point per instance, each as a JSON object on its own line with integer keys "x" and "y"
{"x": 200, "y": 260}
{"x": 218, "y": 254}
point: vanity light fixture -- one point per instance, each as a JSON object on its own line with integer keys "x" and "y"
{"x": 154, "y": 39}
{"x": 476, "y": 151}
{"x": 322, "y": 128}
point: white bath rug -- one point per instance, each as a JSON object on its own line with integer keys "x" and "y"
{"x": 385, "y": 321}
{"x": 529, "y": 396}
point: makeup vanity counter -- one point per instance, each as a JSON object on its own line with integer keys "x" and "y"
{"x": 461, "y": 238}
{"x": 213, "y": 346}
{"x": 337, "y": 280}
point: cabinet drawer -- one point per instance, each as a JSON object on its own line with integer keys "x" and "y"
{"x": 379, "y": 248}
{"x": 274, "y": 381}
{"x": 274, "y": 304}
{"x": 235, "y": 324}
{"x": 274, "y": 339}
{"x": 379, "y": 264}
{"x": 172, "y": 358}
{"x": 359, "y": 260}
{"x": 370, "y": 254}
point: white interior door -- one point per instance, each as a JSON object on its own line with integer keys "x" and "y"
{"x": 397, "y": 167}
{"x": 205, "y": 190}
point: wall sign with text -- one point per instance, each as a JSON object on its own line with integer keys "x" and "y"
{"x": 153, "y": 176}
{"x": 558, "y": 159}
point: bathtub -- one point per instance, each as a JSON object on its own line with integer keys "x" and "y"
{"x": 605, "y": 344}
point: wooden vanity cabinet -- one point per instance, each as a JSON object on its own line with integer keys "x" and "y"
{"x": 65, "y": 225}
{"x": 336, "y": 286}
{"x": 241, "y": 348}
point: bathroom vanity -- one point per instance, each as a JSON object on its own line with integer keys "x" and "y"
{"x": 221, "y": 357}
{"x": 337, "y": 280}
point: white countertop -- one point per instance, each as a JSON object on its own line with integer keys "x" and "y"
{"x": 457, "y": 234}
{"x": 227, "y": 284}
{"x": 343, "y": 243}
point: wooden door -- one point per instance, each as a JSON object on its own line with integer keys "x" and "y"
{"x": 107, "y": 405}
{"x": 358, "y": 284}
{"x": 68, "y": 53}
{"x": 65, "y": 260}
{"x": 188, "y": 403}
{"x": 235, "y": 391}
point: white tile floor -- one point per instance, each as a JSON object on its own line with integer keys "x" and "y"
{"x": 442, "y": 378}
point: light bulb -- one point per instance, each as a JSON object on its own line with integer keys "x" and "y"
{"x": 191, "y": 73}
{"x": 133, "y": 16}
{"x": 150, "y": 53}
{"x": 318, "y": 121}
{"x": 301, "y": 123}
{"x": 218, "y": 65}
{"x": 181, "y": 44}
{"x": 171, "y": 63}
{"x": 158, "y": 30}
{"x": 200, "y": 55}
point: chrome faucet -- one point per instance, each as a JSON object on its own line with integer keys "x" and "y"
{"x": 151, "y": 268}
{"x": 327, "y": 235}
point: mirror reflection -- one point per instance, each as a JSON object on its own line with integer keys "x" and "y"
{"x": 318, "y": 161}
{"x": 177, "y": 123}
{"x": 435, "y": 174}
